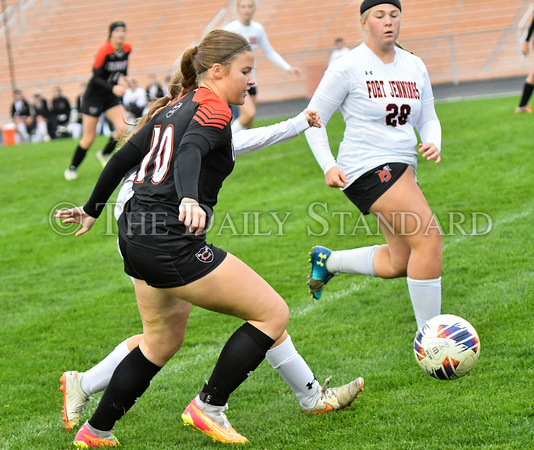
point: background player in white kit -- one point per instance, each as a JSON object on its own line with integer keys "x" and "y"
{"x": 78, "y": 387}
{"x": 383, "y": 92}
{"x": 254, "y": 33}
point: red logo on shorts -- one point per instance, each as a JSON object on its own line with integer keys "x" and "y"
{"x": 384, "y": 174}
{"x": 205, "y": 254}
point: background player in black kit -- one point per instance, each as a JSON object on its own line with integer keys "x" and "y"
{"x": 103, "y": 95}
{"x": 528, "y": 87}
{"x": 184, "y": 148}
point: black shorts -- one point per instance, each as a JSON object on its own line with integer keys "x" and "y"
{"x": 94, "y": 106}
{"x": 163, "y": 270}
{"x": 370, "y": 186}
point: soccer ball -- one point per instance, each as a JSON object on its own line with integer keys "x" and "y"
{"x": 447, "y": 347}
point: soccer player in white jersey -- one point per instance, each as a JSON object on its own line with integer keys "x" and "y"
{"x": 254, "y": 33}
{"x": 78, "y": 387}
{"x": 383, "y": 92}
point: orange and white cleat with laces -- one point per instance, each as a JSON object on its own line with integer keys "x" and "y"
{"x": 524, "y": 109}
{"x": 212, "y": 421}
{"x": 331, "y": 399}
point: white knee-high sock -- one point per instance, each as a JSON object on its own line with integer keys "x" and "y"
{"x": 22, "y": 130}
{"x": 357, "y": 260}
{"x": 97, "y": 378}
{"x": 426, "y": 298}
{"x": 42, "y": 129}
{"x": 295, "y": 372}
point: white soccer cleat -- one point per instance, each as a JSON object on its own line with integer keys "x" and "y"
{"x": 524, "y": 109}
{"x": 102, "y": 158}
{"x": 70, "y": 174}
{"x": 74, "y": 398}
{"x": 331, "y": 399}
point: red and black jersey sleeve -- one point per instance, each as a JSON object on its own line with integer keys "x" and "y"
{"x": 206, "y": 132}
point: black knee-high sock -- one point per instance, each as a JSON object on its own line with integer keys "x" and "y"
{"x": 79, "y": 155}
{"x": 243, "y": 352}
{"x": 527, "y": 92}
{"x": 110, "y": 146}
{"x": 130, "y": 379}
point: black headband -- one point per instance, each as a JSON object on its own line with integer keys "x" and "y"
{"x": 116, "y": 25}
{"x": 368, "y": 4}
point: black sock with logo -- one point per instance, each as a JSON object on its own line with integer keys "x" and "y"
{"x": 243, "y": 352}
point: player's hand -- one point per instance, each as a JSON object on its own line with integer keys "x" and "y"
{"x": 125, "y": 81}
{"x": 76, "y": 215}
{"x": 295, "y": 70}
{"x": 192, "y": 215}
{"x": 335, "y": 177}
{"x": 119, "y": 90}
{"x": 430, "y": 152}
{"x": 313, "y": 118}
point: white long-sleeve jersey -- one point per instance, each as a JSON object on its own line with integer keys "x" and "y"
{"x": 257, "y": 37}
{"x": 381, "y": 104}
{"x": 246, "y": 141}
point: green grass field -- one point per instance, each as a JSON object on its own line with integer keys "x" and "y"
{"x": 65, "y": 302}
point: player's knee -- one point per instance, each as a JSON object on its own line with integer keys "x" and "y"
{"x": 399, "y": 268}
{"x": 433, "y": 241}
{"x": 281, "y": 315}
{"x": 87, "y": 141}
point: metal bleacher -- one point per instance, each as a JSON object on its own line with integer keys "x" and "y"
{"x": 53, "y": 42}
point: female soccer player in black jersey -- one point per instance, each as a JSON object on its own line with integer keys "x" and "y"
{"x": 103, "y": 95}
{"x": 78, "y": 387}
{"x": 184, "y": 148}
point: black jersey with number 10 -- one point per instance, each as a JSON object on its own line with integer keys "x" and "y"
{"x": 188, "y": 153}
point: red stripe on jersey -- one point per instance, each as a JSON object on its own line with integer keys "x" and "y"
{"x": 212, "y": 111}
{"x": 103, "y": 52}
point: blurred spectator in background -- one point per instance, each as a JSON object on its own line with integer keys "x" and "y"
{"x": 154, "y": 90}
{"x": 21, "y": 114}
{"x": 59, "y": 114}
{"x": 339, "y": 50}
{"x": 134, "y": 100}
{"x": 75, "y": 126}
{"x": 40, "y": 116}
{"x": 166, "y": 85}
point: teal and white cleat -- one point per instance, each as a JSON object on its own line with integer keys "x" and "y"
{"x": 319, "y": 274}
